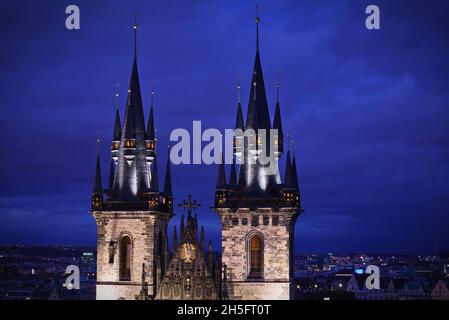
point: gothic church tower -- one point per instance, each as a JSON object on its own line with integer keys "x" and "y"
{"x": 257, "y": 210}
{"x": 132, "y": 214}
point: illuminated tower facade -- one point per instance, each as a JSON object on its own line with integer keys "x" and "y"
{"x": 256, "y": 208}
{"x": 132, "y": 214}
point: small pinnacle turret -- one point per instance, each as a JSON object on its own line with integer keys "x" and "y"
{"x": 277, "y": 123}
{"x": 233, "y": 174}
{"x": 239, "y": 123}
{"x": 175, "y": 239}
{"x": 288, "y": 166}
{"x": 294, "y": 174}
{"x": 98, "y": 188}
{"x": 97, "y": 192}
{"x": 167, "y": 181}
{"x": 221, "y": 177}
{"x": 203, "y": 239}
{"x": 150, "y": 126}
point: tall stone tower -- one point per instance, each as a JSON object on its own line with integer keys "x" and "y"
{"x": 257, "y": 209}
{"x": 132, "y": 214}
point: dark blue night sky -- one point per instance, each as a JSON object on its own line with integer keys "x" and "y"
{"x": 369, "y": 110}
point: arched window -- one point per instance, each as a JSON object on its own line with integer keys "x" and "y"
{"x": 125, "y": 258}
{"x": 255, "y": 257}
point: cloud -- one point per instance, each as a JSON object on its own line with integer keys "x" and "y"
{"x": 368, "y": 109}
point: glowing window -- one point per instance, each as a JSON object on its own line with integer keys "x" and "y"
{"x": 256, "y": 256}
{"x": 125, "y": 258}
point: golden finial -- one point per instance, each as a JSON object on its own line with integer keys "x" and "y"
{"x": 98, "y": 142}
{"x": 152, "y": 95}
{"x": 238, "y": 91}
{"x": 117, "y": 85}
{"x": 277, "y": 91}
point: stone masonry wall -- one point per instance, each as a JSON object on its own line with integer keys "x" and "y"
{"x": 111, "y": 226}
{"x": 275, "y": 230}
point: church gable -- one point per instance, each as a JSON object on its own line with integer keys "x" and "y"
{"x": 189, "y": 276}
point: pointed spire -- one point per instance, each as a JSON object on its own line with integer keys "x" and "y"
{"x": 288, "y": 166}
{"x": 167, "y": 182}
{"x": 181, "y": 228}
{"x": 239, "y": 123}
{"x": 294, "y": 174}
{"x": 150, "y": 125}
{"x": 233, "y": 174}
{"x": 98, "y": 187}
{"x": 117, "y": 125}
{"x": 154, "y": 185}
{"x": 258, "y": 116}
{"x": 195, "y": 225}
{"x": 117, "y": 95}
{"x": 132, "y": 174}
{"x": 221, "y": 178}
{"x": 175, "y": 239}
{"x": 210, "y": 258}
{"x": 277, "y": 123}
{"x": 203, "y": 239}
{"x": 277, "y": 92}
{"x": 111, "y": 176}
{"x": 129, "y": 127}
{"x": 238, "y": 92}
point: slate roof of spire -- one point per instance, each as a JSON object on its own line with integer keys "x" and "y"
{"x": 131, "y": 180}
{"x": 258, "y": 116}
{"x": 167, "y": 182}
{"x": 288, "y": 171}
{"x": 294, "y": 175}
{"x": 150, "y": 125}
{"x": 221, "y": 177}
{"x": 277, "y": 123}
{"x": 117, "y": 127}
{"x": 233, "y": 174}
{"x": 98, "y": 187}
{"x": 239, "y": 123}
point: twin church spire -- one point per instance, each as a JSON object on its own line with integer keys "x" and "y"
{"x": 255, "y": 179}
{"x": 134, "y": 171}
{"x": 135, "y": 167}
